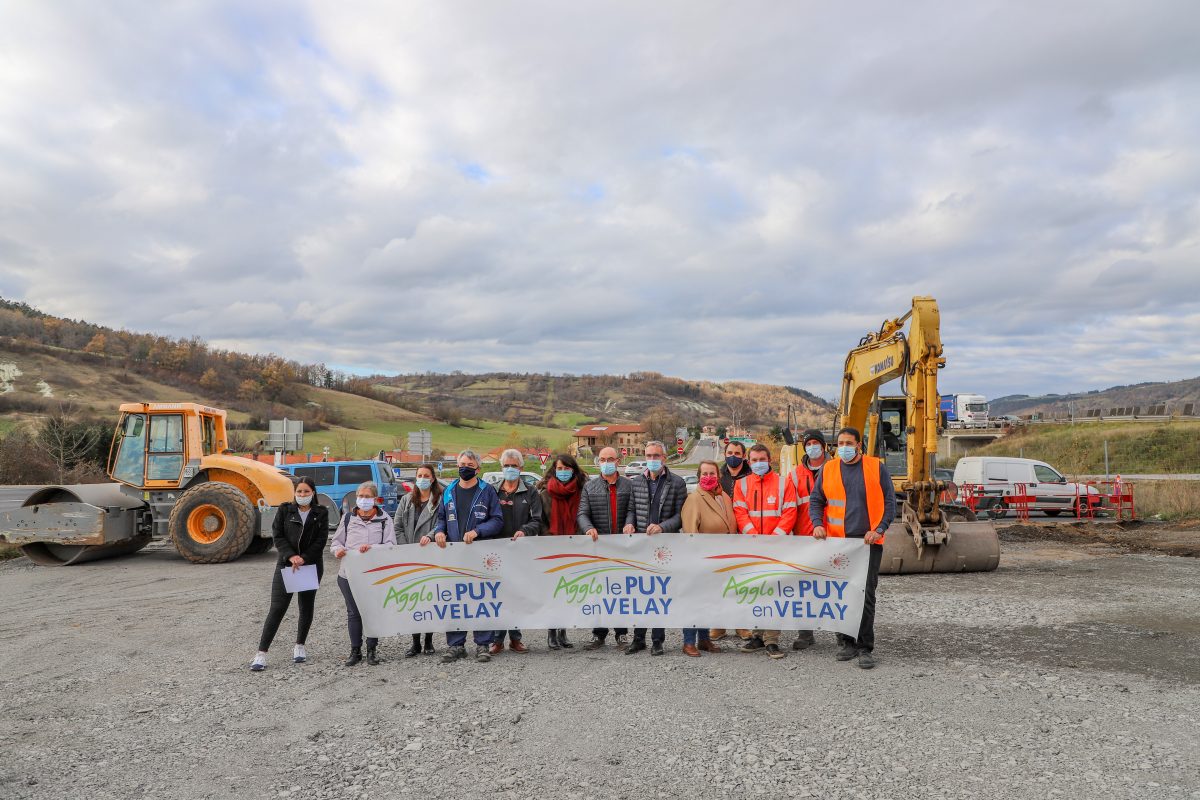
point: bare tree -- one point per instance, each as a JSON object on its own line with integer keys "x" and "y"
{"x": 343, "y": 445}
{"x": 65, "y": 440}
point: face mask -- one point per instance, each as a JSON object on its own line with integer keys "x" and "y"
{"x": 814, "y": 451}
{"x": 847, "y": 452}
{"x": 365, "y": 503}
{"x": 760, "y": 467}
{"x": 708, "y": 482}
{"x": 563, "y": 475}
{"x": 607, "y": 468}
{"x": 654, "y": 465}
{"x": 733, "y": 462}
{"x": 303, "y": 499}
{"x": 467, "y": 473}
{"x": 424, "y": 483}
{"x": 511, "y": 473}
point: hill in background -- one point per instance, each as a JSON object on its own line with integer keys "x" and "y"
{"x": 1173, "y": 393}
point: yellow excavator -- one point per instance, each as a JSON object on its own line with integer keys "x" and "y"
{"x": 928, "y": 535}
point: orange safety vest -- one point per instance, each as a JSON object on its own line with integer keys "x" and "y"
{"x": 802, "y": 481}
{"x": 835, "y": 495}
{"x": 765, "y": 505}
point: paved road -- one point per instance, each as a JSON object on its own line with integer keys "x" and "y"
{"x": 702, "y": 450}
{"x": 12, "y": 496}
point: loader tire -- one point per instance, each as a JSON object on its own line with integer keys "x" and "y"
{"x": 212, "y": 523}
{"x": 259, "y": 544}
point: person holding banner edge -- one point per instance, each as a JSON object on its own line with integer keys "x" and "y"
{"x": 605, "y": 508}
{"x": 853, "y": 498}
{"x": 469, "y": 510}
{"x": 658, "y": 498}
{"x": 300, "y": 531}
{"x": 521, "y": 509}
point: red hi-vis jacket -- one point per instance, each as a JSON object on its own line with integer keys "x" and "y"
{"x": 801, "y": 482}
{"x": 765, "y": 505}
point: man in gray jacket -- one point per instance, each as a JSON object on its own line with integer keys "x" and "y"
{"x": 658, "y": 498}
{"x": 606, "y": 508}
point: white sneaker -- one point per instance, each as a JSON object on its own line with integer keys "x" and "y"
{"x": 259, "y": 663}
{"x": 298, "y": 654}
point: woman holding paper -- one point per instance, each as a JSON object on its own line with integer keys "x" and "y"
{"x": 369, "y": 525}
{"x": 300, "y": 531}
{"x": 415, "y": 517}
{"x": 707, "y": 510}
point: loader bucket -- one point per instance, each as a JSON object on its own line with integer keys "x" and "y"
{"x": 61, "y": 525}
{"x": 973, "y": 547}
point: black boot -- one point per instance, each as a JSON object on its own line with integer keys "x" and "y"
{"x": 372, "y": 659}
{"x": 415, "y": 648}
{"x": 562, "y": 639}
{"x": 552, "y": 639}
{"x": 355, "y": 656}
{"x": 429, "y": 644}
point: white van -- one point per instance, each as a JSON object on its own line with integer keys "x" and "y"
{"x": 1049, "y": 491}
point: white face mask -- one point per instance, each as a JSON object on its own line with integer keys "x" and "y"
{"x": 365, "y": 503}
{"x": 303, "y": 499}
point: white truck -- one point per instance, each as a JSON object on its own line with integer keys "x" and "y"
{"x": 965, "y": 410}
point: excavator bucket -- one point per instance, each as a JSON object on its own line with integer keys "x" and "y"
{"x": 972, "y": 547}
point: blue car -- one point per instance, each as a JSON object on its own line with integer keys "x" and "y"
{"x": 337, "y": 482}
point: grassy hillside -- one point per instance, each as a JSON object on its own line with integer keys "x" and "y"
{"x": 1133, "y": 447}
{"x": 1141, "y": 394}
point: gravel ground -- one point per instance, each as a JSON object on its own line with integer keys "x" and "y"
{"x": 1070, "y": 672}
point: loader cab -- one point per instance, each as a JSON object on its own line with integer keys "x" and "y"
{"x": 155, "y": 443}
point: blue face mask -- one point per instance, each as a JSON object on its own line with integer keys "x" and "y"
{"x": 510, "y": 473}
{"x": 424, "y": 483}
{"x": 563, "y": 475}
{"x": 607, "y": 468}
{"x": 654, "y": 465}
{"x": 760, "y": 467}
{"x": 847, "y": 452}
{"x": 814, "y": 451}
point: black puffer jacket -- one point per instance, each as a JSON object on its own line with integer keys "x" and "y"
{"x": 307, "y": 539}
{"x": 670, "y": 502}
{"x": 594, "y": 507}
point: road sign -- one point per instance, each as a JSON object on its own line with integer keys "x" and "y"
{"x": 624, "y": 451}
{"x": 680, "y": 435}
{"x": 725, "y": 440}
{"x": 420, "y": 442}
{"x": 285, "y": 434}
{"x": 543, "y": 457}
{"x": 679, "y": 450}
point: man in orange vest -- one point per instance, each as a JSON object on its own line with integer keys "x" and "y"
{"x": 853, "y": 497}
{"x": 802, "y": 479}
{"x": 764, "y": 504}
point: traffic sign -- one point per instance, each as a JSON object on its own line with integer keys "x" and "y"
{"x": 543, "y": 457}
{"x": 420, "y": 442}
{"x": 679, "y": 441}
{"x": 624, "y": 451}
{"x": 679, "y": 450}
{"x": 725, "y": 440}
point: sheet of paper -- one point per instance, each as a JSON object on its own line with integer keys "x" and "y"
{"x": 301, "y": 580}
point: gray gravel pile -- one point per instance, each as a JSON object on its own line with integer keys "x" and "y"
{"x": 1073, "y": 676}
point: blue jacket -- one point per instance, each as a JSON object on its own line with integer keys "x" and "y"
{"x": 485, "y": 516}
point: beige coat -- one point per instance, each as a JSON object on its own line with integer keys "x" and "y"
{"x": 706, "y": 513}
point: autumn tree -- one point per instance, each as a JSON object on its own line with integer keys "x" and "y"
{"x": 96, "y": 345}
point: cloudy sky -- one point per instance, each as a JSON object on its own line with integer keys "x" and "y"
{"x": 710, "y": 190}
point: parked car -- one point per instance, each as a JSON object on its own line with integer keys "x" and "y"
{"x": 496, "y": 478}
{"x": 634, "y": 468}
{"x": 337, "y": 481}
{"x": 1049, "y": 491}
{"x": 692, "y": 481}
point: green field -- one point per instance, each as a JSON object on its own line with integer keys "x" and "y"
{"x": 1133, "y": 447}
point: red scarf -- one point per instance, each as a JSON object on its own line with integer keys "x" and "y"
{"x": 564, "y": 506}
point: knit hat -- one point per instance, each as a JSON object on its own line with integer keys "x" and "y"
{"x": 812, "y": 433}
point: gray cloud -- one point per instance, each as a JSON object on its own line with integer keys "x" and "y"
{"x": 704, "y": 190}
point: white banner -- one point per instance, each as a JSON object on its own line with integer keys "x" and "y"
{"x": 671, "y": 580}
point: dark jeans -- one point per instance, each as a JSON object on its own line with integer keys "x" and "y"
{"x": 603, "y": 632}
{"x": 353, "y": 618}
{"x": 280, "y": 600}
{"x": 656, "y": 634}
{"x": 690, "y": 635}
{"x": 514, "y": 634}
{"x": 866, "y": 629}
{"x": 459, "y": 638}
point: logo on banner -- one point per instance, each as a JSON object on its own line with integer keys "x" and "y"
{"x": 435, "y": 592}
{"x": 776, "y": 589}
{"x": 612, "y": 586}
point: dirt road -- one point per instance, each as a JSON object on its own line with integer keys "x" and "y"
{"x": 1070, "y": 672}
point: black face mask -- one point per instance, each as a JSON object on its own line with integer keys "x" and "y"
{"x": 733, "y": 462}
{"x": 467, "y": 473}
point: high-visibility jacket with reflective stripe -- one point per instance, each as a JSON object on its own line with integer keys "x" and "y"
{"x": 764, "y": 505}
{"x": 835, "y": 495}
{"x": 801, "y": 480}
